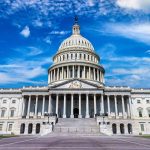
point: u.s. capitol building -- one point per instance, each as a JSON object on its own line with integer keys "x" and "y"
{"x": 76, "y": 99}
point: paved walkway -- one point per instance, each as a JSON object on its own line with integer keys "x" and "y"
{"x": 74, "y": 143}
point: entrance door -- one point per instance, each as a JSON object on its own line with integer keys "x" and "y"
{"x": 76, "y": 112}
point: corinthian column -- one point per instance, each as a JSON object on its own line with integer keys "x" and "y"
{"x": 64, "y": 110}
{"x": 87, "y": 106}
{"x": 71, "y": 116}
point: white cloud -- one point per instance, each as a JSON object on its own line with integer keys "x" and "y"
{"x": 25, "y": 32}
{"x": 135, "y": 4}
{"x": 59, "y": 32}
{"x": 29, "y": 51}
{"x": 21, "y": 70}
{"x": 138, "y": 32}
{"x": 48, "y": 40}
{"x": 148, "y": 51}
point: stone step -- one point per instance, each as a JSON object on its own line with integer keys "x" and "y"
{"x": 76, "y": 130}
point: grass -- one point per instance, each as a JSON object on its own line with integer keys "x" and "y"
{"x": 146, "y": 136}
{"x": 7, "y": 136}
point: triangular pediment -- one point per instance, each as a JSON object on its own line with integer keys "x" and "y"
{"x": 76, "y": 84}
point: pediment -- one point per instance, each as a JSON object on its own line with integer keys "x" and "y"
{"x": 75, "y": 84}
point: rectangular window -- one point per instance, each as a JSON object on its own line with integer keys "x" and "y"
{"x": 12, "y": 113}
{"x": 147, "y": 101}
{"x": 13, "y": 101}
{"x": 10, "y": 127}
{"x": 3, "y": 113}
{"x": 4, "y": 101}
{"x": 1, "y": 127}
{"x": 142, "y": 127}
{"x": 138, "y": 101}
{"x": 140, "y": 113}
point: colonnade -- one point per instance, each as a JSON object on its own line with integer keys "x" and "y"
{"x": 104, "y": 105}
{"x": 75, "y": 71}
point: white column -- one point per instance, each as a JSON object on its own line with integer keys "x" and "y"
{"x": 87, "y": 106}
{"x": 73, "y": 71}
{"x": 123, "y": 107}
{"x": 54, "y": 74}
{"x": 49, "y": 77}
{"x": 108, "y": 105}
{"x": 57, "y": 105}
{"x": 84, "y": 73}
{"x": 58, "y": 74}
{"x": 102, "y": 104}
{"x": 98, "y": 74}
{"x": 78, "y": 71}
{"x": 89, "y": 72}
{"x": 23, "y": 106}
{"x": 80, "y": 116}
{"x": 94, "y": 74}
{"x": 36, "y": 106}
{"x": 62, "y": 72}
{"x": 43, "y": 106}
{"x": 130, "y": 107}
{"x": 64, "y": 110}
{"x": 116, "y": 108}
{"x": 29, "y": 103}
{"x": 50, "y": 104}
{"x": 71, "y": 116}
{"x": 67, "y": 72}
{"x": 95, "y": 110}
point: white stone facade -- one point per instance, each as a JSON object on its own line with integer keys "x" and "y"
{"x": 76, "y": 89}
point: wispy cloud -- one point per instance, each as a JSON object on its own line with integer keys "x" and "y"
{"x": 25, "y": 32}
{"x": 135, "y": 4}
{"x": 137, "y": 32}
{"x": 22, "y": 70}
{"x": 29, "y": 50}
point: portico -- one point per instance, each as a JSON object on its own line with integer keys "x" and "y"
{"x": 77, "y": 103}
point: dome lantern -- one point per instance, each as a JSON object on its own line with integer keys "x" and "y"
{"x": 76, "y": 27}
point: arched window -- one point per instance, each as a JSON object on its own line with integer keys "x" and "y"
{"x": 148, "y": 112}
{"x": 114, "y": 128}
{"x": 130, "y": 128}
{"x": 30, "y": 126}
{"x": 140, "y": 112}
{"x": 37, "y": 128}
{"x": 12, "y": 112}
{"x": 22, "y": 128}
{"x": 122, "y": 128}
{"x": 3, "y": 112}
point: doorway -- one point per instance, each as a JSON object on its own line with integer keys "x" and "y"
{"x": 76, "y": 112}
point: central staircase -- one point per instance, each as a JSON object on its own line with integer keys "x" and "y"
{"x": 76, "y": 126}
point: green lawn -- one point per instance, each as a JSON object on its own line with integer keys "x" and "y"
{"x": 146, "y": 136}
{"x": 7, "y": 136}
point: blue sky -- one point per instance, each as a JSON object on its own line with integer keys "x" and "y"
{"x": 32, "y": 30}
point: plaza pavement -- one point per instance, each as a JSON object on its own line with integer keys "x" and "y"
{"x": 74, "y": 143}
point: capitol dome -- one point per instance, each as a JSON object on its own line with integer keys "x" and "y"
{"x": 76, "y": 59}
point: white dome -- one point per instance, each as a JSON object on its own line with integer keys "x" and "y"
{"x": 76, "y": 41}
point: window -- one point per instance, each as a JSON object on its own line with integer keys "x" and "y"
{"x": 10, "y": 127}
{"x": 140, "y": 113}
{"x": 1, "y": 127}
{"x": 4, "y": 101}
{"x": 12, "y": 112}
{"x": 142, "y": 127}
{"x": 3, "y": 112}
{"x": 148, "y": 101}
{"x": 13, "y": 101}
{"x": 148, "y": 111}
{"x": 138, "y": 101}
